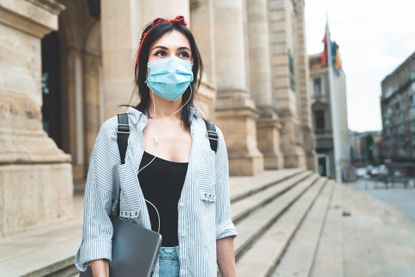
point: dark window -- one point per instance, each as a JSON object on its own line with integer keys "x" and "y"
{"x": 94, "y": 7}
{"x": 319, "y": 120}
{"x": 317, "y": 86}
{"x": 292, "y": 71}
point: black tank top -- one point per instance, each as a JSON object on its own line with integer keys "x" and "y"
{"x": 162, "y": 183}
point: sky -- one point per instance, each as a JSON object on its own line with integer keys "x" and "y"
{"x": 374, "y": 37}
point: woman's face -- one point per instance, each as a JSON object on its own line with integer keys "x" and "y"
{"x": 170, "y": 44}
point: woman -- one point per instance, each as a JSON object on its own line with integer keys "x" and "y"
{"x": 177, "y": 170}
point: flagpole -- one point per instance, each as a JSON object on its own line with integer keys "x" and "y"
{"x": 334, "y": 109}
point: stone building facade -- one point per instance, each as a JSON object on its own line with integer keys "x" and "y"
{"x": 322, "y": 118}
{"x": 398, "y": 118}
{"x": 366, "y": 148}
{"x": 67, "y": 65}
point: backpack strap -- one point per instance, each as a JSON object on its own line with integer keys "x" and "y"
{"x": 123, "y": 132}
{"x": 212, "y": 135}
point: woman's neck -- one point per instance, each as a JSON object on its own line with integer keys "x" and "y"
{"x": 164, "y": 108}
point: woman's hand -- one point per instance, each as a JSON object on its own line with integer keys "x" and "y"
{"x": 226, "y": 256}
{"x": 100, "y": 268}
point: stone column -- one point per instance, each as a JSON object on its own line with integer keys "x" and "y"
{"x": 268, "y": 125}
{"x": 35, "y": 176}
{"x": 151, "y": 9}
{"x": 201, "y": 17}
{"x": 304, "y": 90}
{"x": 119, "y": 32}
{"x": 284, "y": 92}
{"x": 92, "y": 68}
{"x": 75, "y": 113}
{"x": 236, "y": 114}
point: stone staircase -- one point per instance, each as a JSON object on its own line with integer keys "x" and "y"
{"x": 281, "y": 223}
{"x": 287, "y": 221}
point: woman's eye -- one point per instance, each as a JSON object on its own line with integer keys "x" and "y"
{"x": 160, "y": 53}
{"x": 184, "y": 54}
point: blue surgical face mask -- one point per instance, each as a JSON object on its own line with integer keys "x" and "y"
{"x": 169, "y": 77}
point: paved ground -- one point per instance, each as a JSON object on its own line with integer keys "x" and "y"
{"x": 377, "y": 239}
{"x": 398, "y": 197}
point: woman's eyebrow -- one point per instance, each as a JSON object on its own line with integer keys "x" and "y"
{"x": 165, "y": 48}
{"x": 184, "y": 47}
{"x": 159, "y": 46}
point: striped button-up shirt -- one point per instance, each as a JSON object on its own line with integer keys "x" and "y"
{"x": 203, "y": 208}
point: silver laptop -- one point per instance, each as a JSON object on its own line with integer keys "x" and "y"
{"x": 135, "y": 250}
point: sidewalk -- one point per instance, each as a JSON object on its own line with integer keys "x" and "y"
{"x": 378, "y": 240}
{"x": 401, "y": 198}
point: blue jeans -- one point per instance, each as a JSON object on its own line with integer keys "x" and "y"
{"x": 169, "y": 261}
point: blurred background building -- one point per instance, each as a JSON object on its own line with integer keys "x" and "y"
{"x": 67, "y": 66}
{"x": 398, "y": 118}
{"x": 366, "y": 148}
{"x": 323, "y": 119}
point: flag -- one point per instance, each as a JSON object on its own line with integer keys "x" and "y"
{"x": 324, "y": 54}
{"x": 335, "y": 55}
{"x": 337, "y": 59}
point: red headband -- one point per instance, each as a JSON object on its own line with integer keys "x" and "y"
{"x": 178, "y": 19}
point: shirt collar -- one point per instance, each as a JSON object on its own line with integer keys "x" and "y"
{"x": 137, "y": 115}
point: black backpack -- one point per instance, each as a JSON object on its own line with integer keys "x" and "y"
{"x": 124, "y": 131}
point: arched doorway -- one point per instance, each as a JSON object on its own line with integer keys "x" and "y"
{"x": 51, "y": 96}
{"x": 71, "y": 59}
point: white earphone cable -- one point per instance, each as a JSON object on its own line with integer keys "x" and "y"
{"x": 155, "y": 136}
{"x": 156, "y": 142}
{"x": 158, "y": 215}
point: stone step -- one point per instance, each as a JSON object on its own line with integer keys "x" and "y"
{"x": 328, "y": 260}
{"x": 247, "y": 205}
{"x": 257, "y": 222}
{"x": 42, "y": 251}
{"x": 268, "y": 249}
{"x": 298, "y": 259}
{"x": 244, "y": 186}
